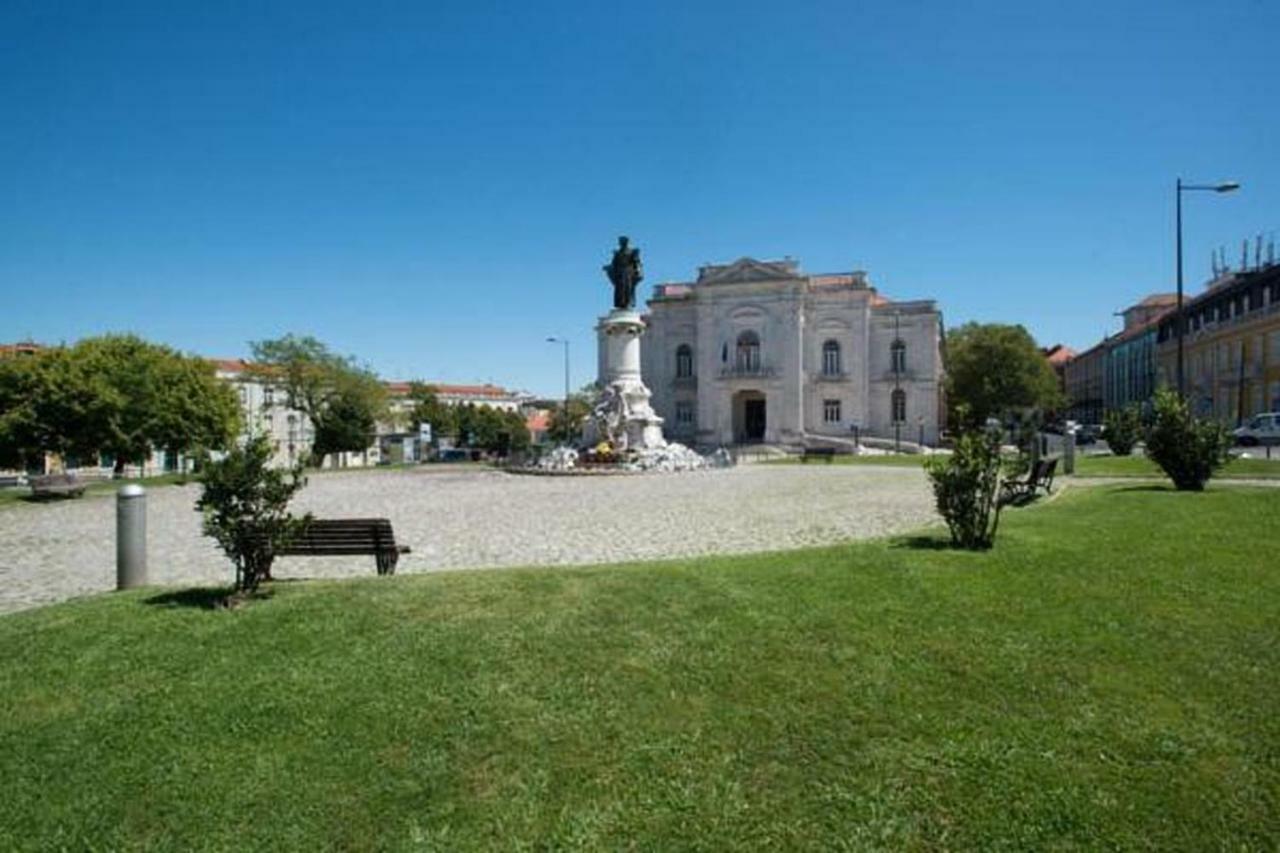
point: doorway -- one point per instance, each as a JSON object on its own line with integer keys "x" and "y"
{"x": 749, "y": 417}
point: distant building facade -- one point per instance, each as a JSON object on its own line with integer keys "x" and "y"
{"x": 759, "y": 351}
{"x": 1231, "y": 346}
{"x": 1122, "y": 369}
{"x": 1131, "y": 361}
{"x": 1083, "y": 377}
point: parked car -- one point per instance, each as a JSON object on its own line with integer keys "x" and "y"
{"x": 1088, "y": 434}
{"x": 1260, "y": 429}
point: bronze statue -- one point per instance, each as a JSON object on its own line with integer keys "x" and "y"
{"x": 625, "y": 272}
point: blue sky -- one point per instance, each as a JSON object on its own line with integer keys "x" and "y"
{"x": 434, "y": 186}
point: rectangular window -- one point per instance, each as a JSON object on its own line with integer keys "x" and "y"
{"x": 684, "y": 413}
{"x": 831, "y": 411}
{"x": 268, "y": 396}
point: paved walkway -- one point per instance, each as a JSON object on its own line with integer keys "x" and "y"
{"x": 481, "y": 518}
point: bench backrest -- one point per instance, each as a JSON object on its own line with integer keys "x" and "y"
{"x": 46, "y": 480}
{"x": 343, "y": 536}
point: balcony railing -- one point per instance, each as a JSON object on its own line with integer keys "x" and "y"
{"x": 748, "y": 371}
{"x": 823, "y": 376}
{"x": 685, "y": 382}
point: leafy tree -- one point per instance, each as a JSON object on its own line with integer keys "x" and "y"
{"x": 966, "y": 486}
{"x": 565, "y": 426}
{"x": 346, "y": 423}
{"x": 993, "y": 369}
{"x": 428, "y": 409}
{"x": 343, "y": 400}
{"x": 1121, "y": 429}
{"x": 1187, "y": 448}
{"x": 117, "y": 395}
{"x": 19, "y": 444}
{"x": 245, "y": 503}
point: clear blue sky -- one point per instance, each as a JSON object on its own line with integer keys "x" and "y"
{"x": 434, "y": 186}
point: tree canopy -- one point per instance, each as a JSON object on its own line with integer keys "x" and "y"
{"x": 994, "y": 369}
{"x": 117, "y": 395}
{"x": 343, "y": 399}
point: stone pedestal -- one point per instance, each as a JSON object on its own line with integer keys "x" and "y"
{"x": 623, "y": 415}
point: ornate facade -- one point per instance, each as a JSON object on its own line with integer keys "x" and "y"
{"x": 759, "y": 351}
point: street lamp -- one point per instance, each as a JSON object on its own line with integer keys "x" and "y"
{"x": 1180, "y": 321}
{"x": 565, "y": 341}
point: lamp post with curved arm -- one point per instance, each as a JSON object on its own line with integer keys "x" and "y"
{"x": 1180, "y": 321}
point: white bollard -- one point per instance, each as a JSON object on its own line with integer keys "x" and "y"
{"x": 1069, "y": 450}
{"x": 131, "y": 537}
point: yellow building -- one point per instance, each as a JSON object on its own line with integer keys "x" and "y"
{"x": 1231, "y": 346}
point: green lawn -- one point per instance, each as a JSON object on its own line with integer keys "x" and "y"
{"x": 1140, "y": 466}
{"x": 1105, "y": 678}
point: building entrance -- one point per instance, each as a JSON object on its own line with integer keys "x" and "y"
{"x": 749, "y": 417}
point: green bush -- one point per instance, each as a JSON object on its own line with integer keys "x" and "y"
{"x": 1121, "y": 429}
{"x": 1189, "y": 449}
{"x": 245, "y": 505}
{"x": 966, "y": 487}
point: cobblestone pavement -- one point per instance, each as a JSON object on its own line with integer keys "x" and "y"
{"x": 478, "y": 519}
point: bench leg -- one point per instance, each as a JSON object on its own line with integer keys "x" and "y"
{"x": 387, "y": 562}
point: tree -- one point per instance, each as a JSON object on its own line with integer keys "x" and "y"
{"x": 565, "y": 427}
{"x": 343, "y": 400}
{"x": 245, "y": 503}
{"x": 1187, "y": 448}
{"x": 116, "y": 395}
{"x": 428, "y": 409}
{"x": 993, "y": 369}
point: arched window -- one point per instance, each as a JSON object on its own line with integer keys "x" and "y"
{"x": 899, "y": 405}
{"x": 898, "y": 352}
{"x": 748, "y": 353}
{"x": 684, "y": 361}
{"x": 831, "y": 359}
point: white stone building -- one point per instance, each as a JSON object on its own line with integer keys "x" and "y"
{"x": 758, "y": 351}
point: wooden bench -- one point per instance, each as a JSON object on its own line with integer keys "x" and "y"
{"x": 827, "y": 453}
{"x": 347, "y": 537}
{"x": 1024, "y": 488}
{"x": 56, "y": 486}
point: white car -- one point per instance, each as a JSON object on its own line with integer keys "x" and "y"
{"x": 1259, "y": 429}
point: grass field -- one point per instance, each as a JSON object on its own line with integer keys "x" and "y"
{"x": 1086, "y": 466}
{"x": 1140, "y": 466}
{"x": 1106, "y": 677}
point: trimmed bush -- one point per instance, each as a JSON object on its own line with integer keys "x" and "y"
{"x": 245, "y": 504}
{"x": 966, "y": 487}
{"x": 1121, "y": 430}
{"x": 1187, "y": 448}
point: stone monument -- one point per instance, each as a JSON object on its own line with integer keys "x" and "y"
{"x": 622, "y": 416}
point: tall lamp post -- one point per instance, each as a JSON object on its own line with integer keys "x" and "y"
{"x": 565, "y": 341}
{"x": 1181, "y": 321}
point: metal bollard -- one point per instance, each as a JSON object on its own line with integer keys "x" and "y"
{"x": 1069, "y": 451}
{"x": 131, "y": 537}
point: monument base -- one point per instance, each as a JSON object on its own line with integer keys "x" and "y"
{"x": 623, "y": 416}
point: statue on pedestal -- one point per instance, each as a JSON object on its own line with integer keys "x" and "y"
{"x": 625, "y": 272}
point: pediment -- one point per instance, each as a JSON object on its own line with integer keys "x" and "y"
{"x": 748, "y": 270}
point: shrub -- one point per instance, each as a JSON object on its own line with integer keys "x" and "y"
{"x": 1121, "y": 429}
{"x": 1189, "y": 449}
{"x": 966, "y": 487}
{"x": 245, "y": 504}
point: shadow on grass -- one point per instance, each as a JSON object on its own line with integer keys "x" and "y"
{"x": 207, "y": 598}
{"x": 1147, "y": 487}
{"x": 924, "y": 543}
